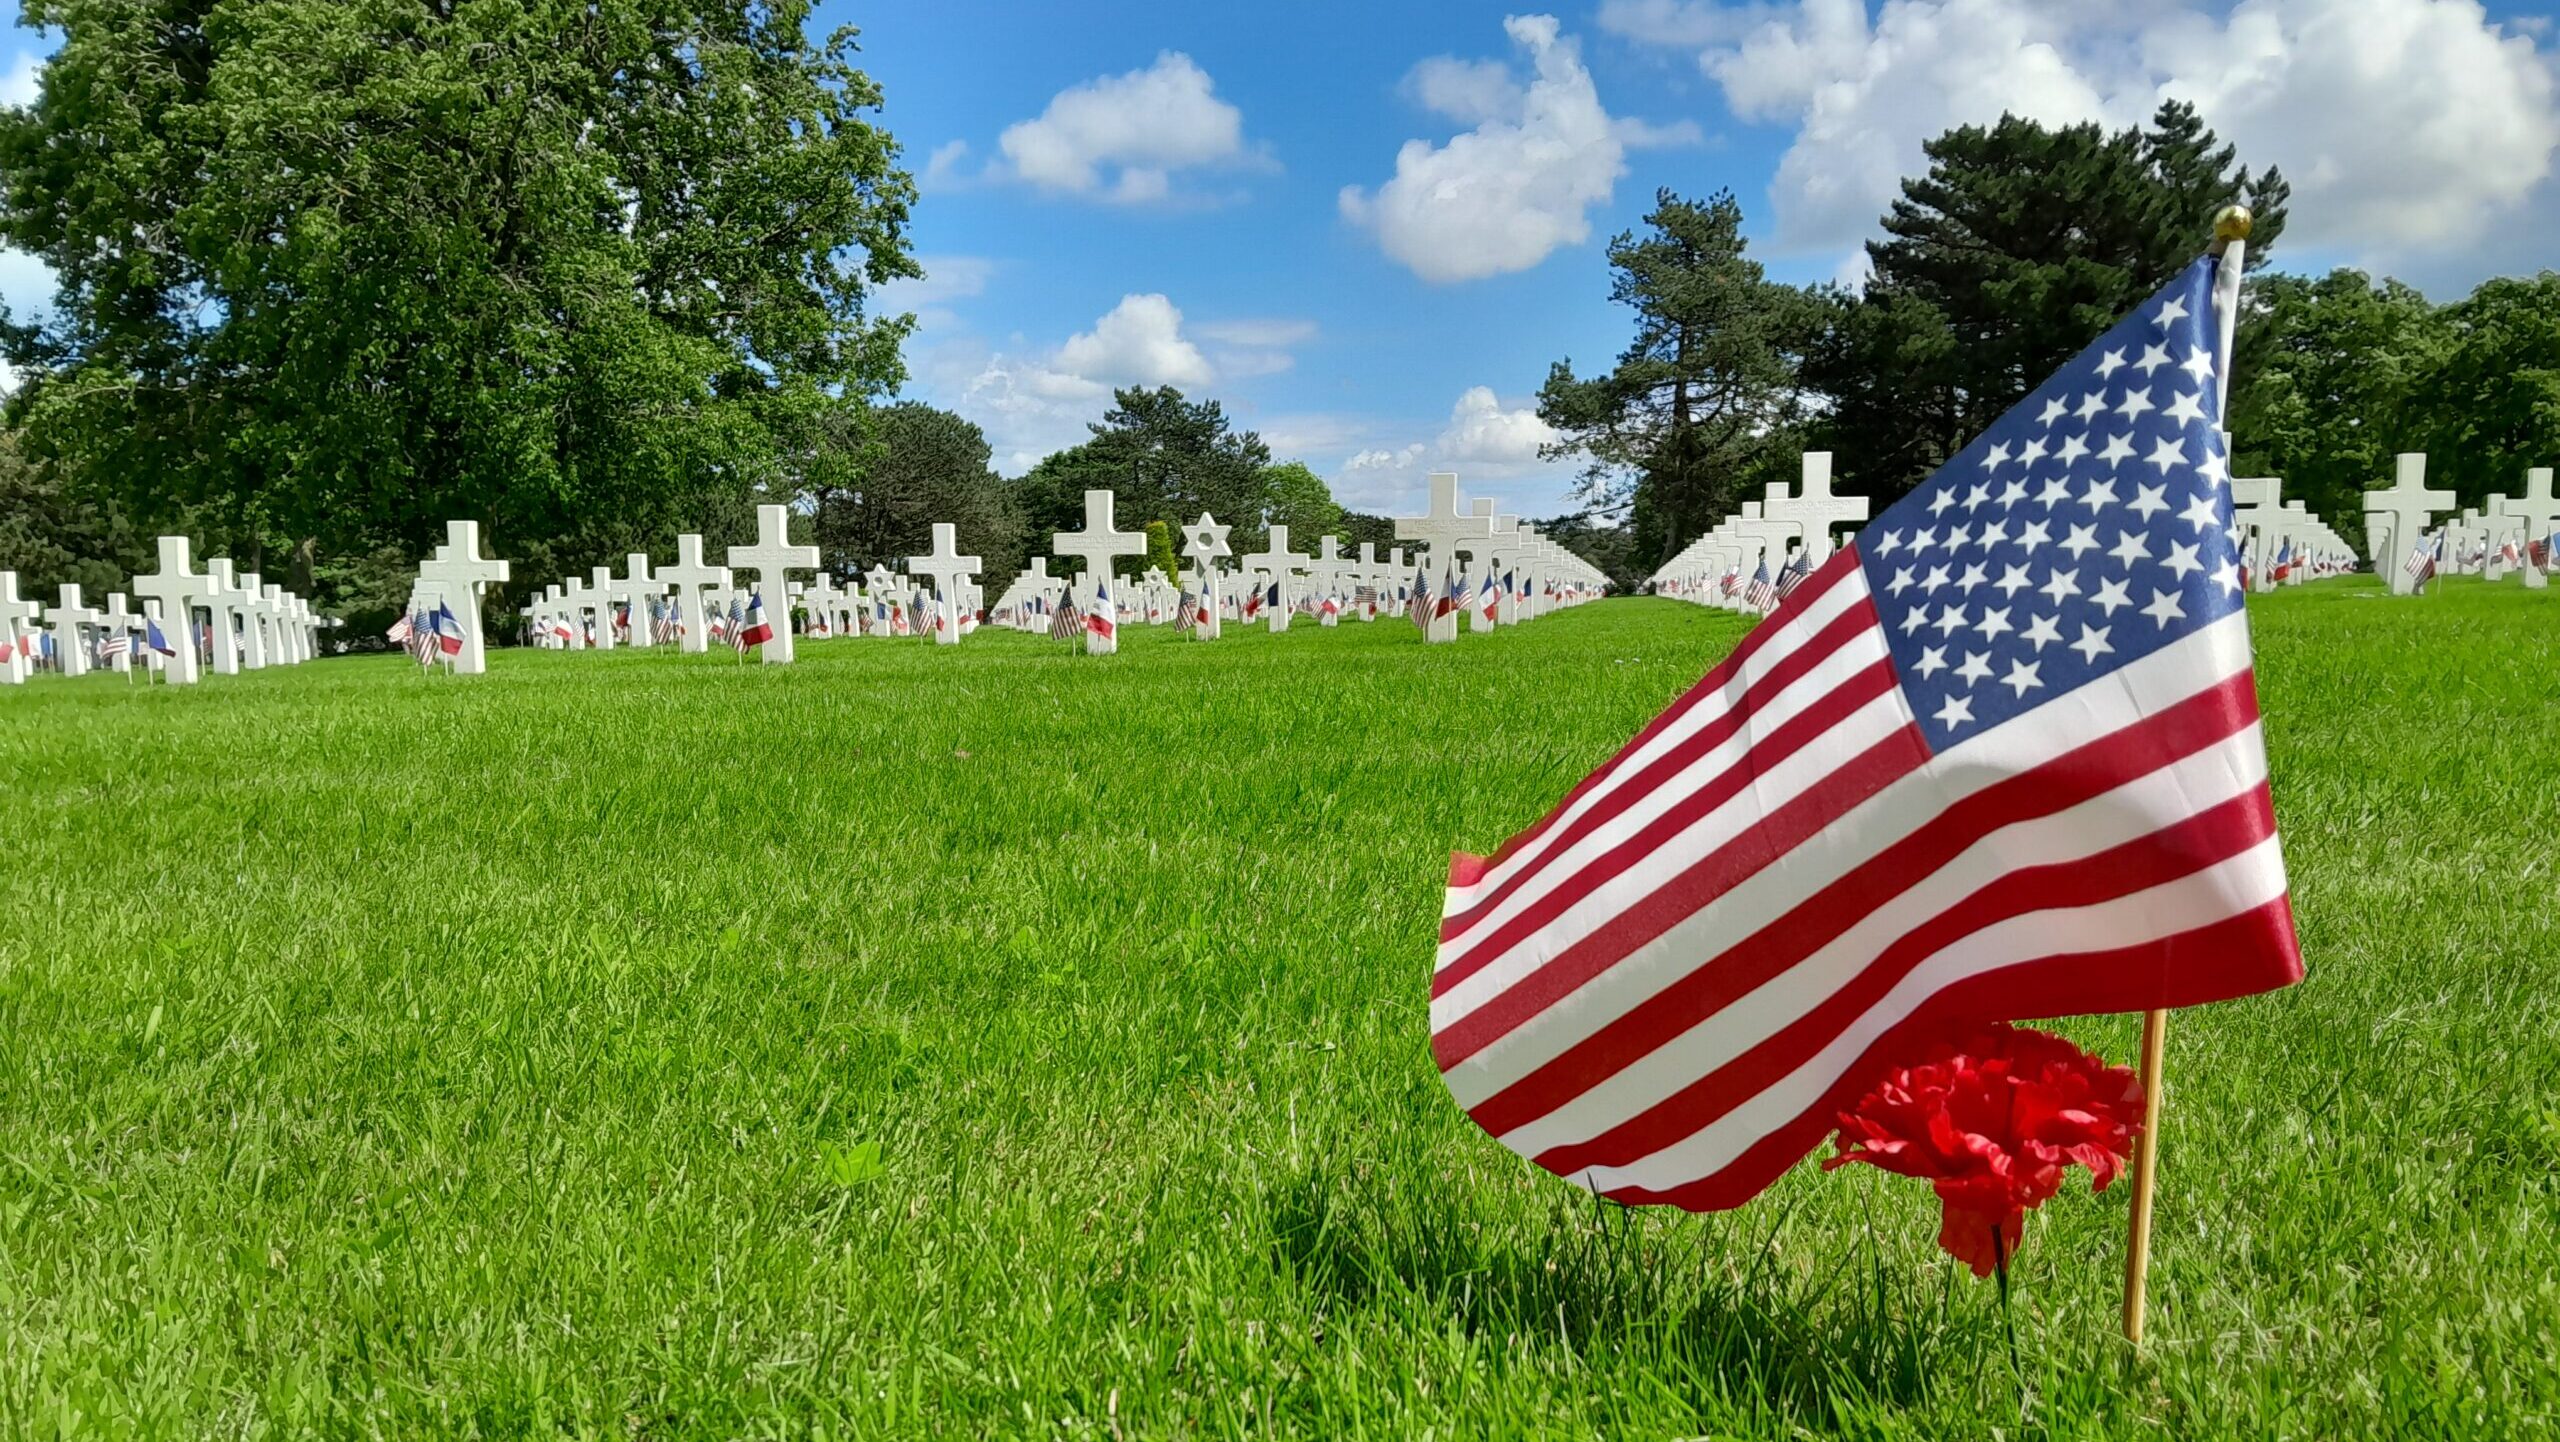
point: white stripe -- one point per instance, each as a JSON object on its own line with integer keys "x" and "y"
{"x": 2230, "y": 888}
{"x": 1767, "y": 793}
{"x": 2142, "y": 688}
{"x": 1772, "y": 786}
{"x": 2137, "y": 809}
{"x": 1799, "y": 630}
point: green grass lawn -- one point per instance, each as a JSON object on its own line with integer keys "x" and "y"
{"x": 1011, "y": 1043}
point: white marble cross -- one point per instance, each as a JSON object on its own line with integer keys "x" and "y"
{"x": 279, "y": 617}
{"x": 70, "y": 621}
{"x": 822, "y": 598}
{"x": 951, "y": 572}
{"x": 2256, "y": 506}
{"x": 463, "y": 575}
{"x": 1096, "y": 545}
{"x": 1204, "y": 544}
{"x": 179, "y": 591}
{"x": 634, "y": 589}
{"x": 1816, "y": 509}
{"x": 1449, "y": 533}
{"x": 1283, "y": 566}
{"x": 253, "y": 622}
{"x": 17, "y": 618}
{"x": 221, "y": 602}
{"x": 773, "y": 558}
{"x": 689, "y": 575}
{"x": 2538, "y": 510}
{"x": 599, "y": 594}
{"x": 2405, "y": 508}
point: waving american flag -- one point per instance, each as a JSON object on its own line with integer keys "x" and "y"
{"x": 1997, "y": 759}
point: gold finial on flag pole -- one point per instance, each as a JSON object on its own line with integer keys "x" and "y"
{"x": 2229, "y": 224}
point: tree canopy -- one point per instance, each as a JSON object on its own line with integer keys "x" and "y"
{"x": 333, "y": 271}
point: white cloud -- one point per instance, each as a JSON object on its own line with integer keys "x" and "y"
{"x": 1032, "y": 401}
{"x": 1140, "y": 342}
{"x": 942, "y": 167}
{"x": 1482, "y": 441}
{"x": 1504, "y": 195}
{"x": 1470, "y": 92}
{"x": 1482, "y": 433}
{"x": 19, "y": 85}
{"x": 2405, "y": 126}
{"x": 1122, "y": 137}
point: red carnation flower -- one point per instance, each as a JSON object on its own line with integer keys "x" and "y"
{"x": 1991, "y": 1118}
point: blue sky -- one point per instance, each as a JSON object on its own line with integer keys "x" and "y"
{"x": 1369, "y": 228}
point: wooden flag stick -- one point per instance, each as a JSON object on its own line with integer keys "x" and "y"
{"x": 2146, "y": 1169}
{"x": 2231, "y": 247}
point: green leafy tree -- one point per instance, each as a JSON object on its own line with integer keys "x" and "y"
{"x": 334, "y": 271}
{"x": 1162, "y": 457}
{"x": 2490, "y": 404}
{"x": 1160, "y": 548}
{"x": 1298, "y": 498}
{"x": 1703, "y": 394}
{"x": 2017, "y": 248}
{"x": 2324, "y": 385}
{"x": 52, "y": 538}
{"x": 885, "y": 476}
{"x": 1610, "y": 548}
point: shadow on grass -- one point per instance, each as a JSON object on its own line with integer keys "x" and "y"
{"x": 1707, "y": 1303}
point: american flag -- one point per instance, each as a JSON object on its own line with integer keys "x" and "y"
{"x": 734, "y": 626}
{"x": 2421, "y": 565}
{"x": 1999, "y": 758}
{"x": 1188, "y": 612}
{"x": 2540, "y": 551}
{"x": 1069, "y": 622}
{"x": 116, "y": 645}
{"x": 1730, "y": 581}
{"x": 420, "y": 639}
{"x": 398, "y": 635}
{"x": 1761, "y": 595}
{"x": 1793, "y": 575}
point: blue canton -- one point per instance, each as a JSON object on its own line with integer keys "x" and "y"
{"x": 2090, "y": 526}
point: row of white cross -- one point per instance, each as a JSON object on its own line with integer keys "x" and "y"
{"x": 1771, "y": 532}
{"x": 1761, "y": 539}
{"x": 1466, "y": 553}
{"x": 252, "y": 623}
{"x": 2397, "y": 518}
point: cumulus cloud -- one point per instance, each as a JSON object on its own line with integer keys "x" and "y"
{"x": 1140, "y": 342}
{"x": 2404, "y": 125}
{"x": 1483, "y": 440}
{"x": 1505, "y": 194}
{"x": 1482, "y": 433}
{"x": 1124, "y": 137}
{"x": 1032, "y": 401}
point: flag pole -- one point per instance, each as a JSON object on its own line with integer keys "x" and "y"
{"x": 2231, "y": 247}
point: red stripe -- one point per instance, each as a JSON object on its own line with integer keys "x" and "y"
{"x": 2200, "y": 841}
{"x": 1781, "y": 831}
{"x": 1872, "y": 681}
{"x": 2094, "y": 769}
{"x": 2187, "y": 969}
{"x": 1715, "y": 680}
